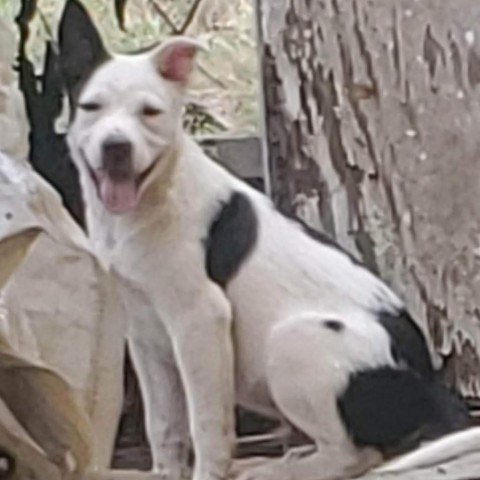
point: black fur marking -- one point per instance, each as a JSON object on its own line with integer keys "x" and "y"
{"x": 231, "y": 238}
{"x": 81, "y": 49}
{"x": 407, "y": 342}
{"x": 393, "y": 410}
{"x": 334, "y": 325}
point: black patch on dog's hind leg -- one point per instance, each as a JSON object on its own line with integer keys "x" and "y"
{"x": 231, "y": 238}
{"x": 393, "y": 410}
{"x": 407, "y": 342}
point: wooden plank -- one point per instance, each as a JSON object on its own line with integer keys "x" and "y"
{"x": 242, "y": 155}
{"x": 122, "y": 475}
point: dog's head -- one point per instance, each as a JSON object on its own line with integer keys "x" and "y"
{"x": 127, "y": 109}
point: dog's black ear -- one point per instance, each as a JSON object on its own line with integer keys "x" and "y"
{"x": 81, "y": 47}
{"x": 174, "y": 59}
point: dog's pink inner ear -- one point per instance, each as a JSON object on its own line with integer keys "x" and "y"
{"x": 175, "y": 61}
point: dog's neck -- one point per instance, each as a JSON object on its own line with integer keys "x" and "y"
{"x": 179, "y": 194}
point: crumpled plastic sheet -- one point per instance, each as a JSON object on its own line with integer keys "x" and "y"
{"x": 61, "y": 335}
{"x": 13, "y": 118}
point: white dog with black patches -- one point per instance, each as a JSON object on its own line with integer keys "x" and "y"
{"x": 231, "y": 302}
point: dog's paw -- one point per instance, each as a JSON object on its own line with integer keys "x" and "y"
{"x": 180, "y": 473}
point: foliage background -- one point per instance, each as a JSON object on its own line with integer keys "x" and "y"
{"x": 226, "y": 81}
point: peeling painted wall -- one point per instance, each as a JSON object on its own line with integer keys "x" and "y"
{"x": 373, "y": 126}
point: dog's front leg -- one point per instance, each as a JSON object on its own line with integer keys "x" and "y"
{"x": 164, "y": 403}
{"x": 201, "y": 336}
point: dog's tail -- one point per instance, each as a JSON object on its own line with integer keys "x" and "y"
{"x": 442, "y": 450}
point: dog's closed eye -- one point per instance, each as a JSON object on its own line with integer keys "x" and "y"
{"x": 90, "y": 106}
{"x": 151, "y": 111}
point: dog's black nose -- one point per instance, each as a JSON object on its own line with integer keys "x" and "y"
{"x": 117, "y": 158}
{"x": 116, "y": 149}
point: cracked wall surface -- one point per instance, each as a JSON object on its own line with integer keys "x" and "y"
{"x": 373, "y": 125}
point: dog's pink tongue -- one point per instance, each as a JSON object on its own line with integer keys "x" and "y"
{"x": 118, "y": 197}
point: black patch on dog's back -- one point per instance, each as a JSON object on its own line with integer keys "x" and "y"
{"x": 393, "y": 410}
{"x": 407, "y": 342}
{"x": 231, "y": 238}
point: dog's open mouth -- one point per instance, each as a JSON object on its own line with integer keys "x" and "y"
{"x": 118, "y": 196}
{"x": 119, "y": 193}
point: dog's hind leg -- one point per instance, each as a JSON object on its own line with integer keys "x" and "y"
{"x": 166, "y": 417}
{"x": 305, "y": 375}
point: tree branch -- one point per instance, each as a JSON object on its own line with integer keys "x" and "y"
{"x": 190, "y": 16}
{"x": 158, "y": 9}
{"x": 211, "y": 77}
